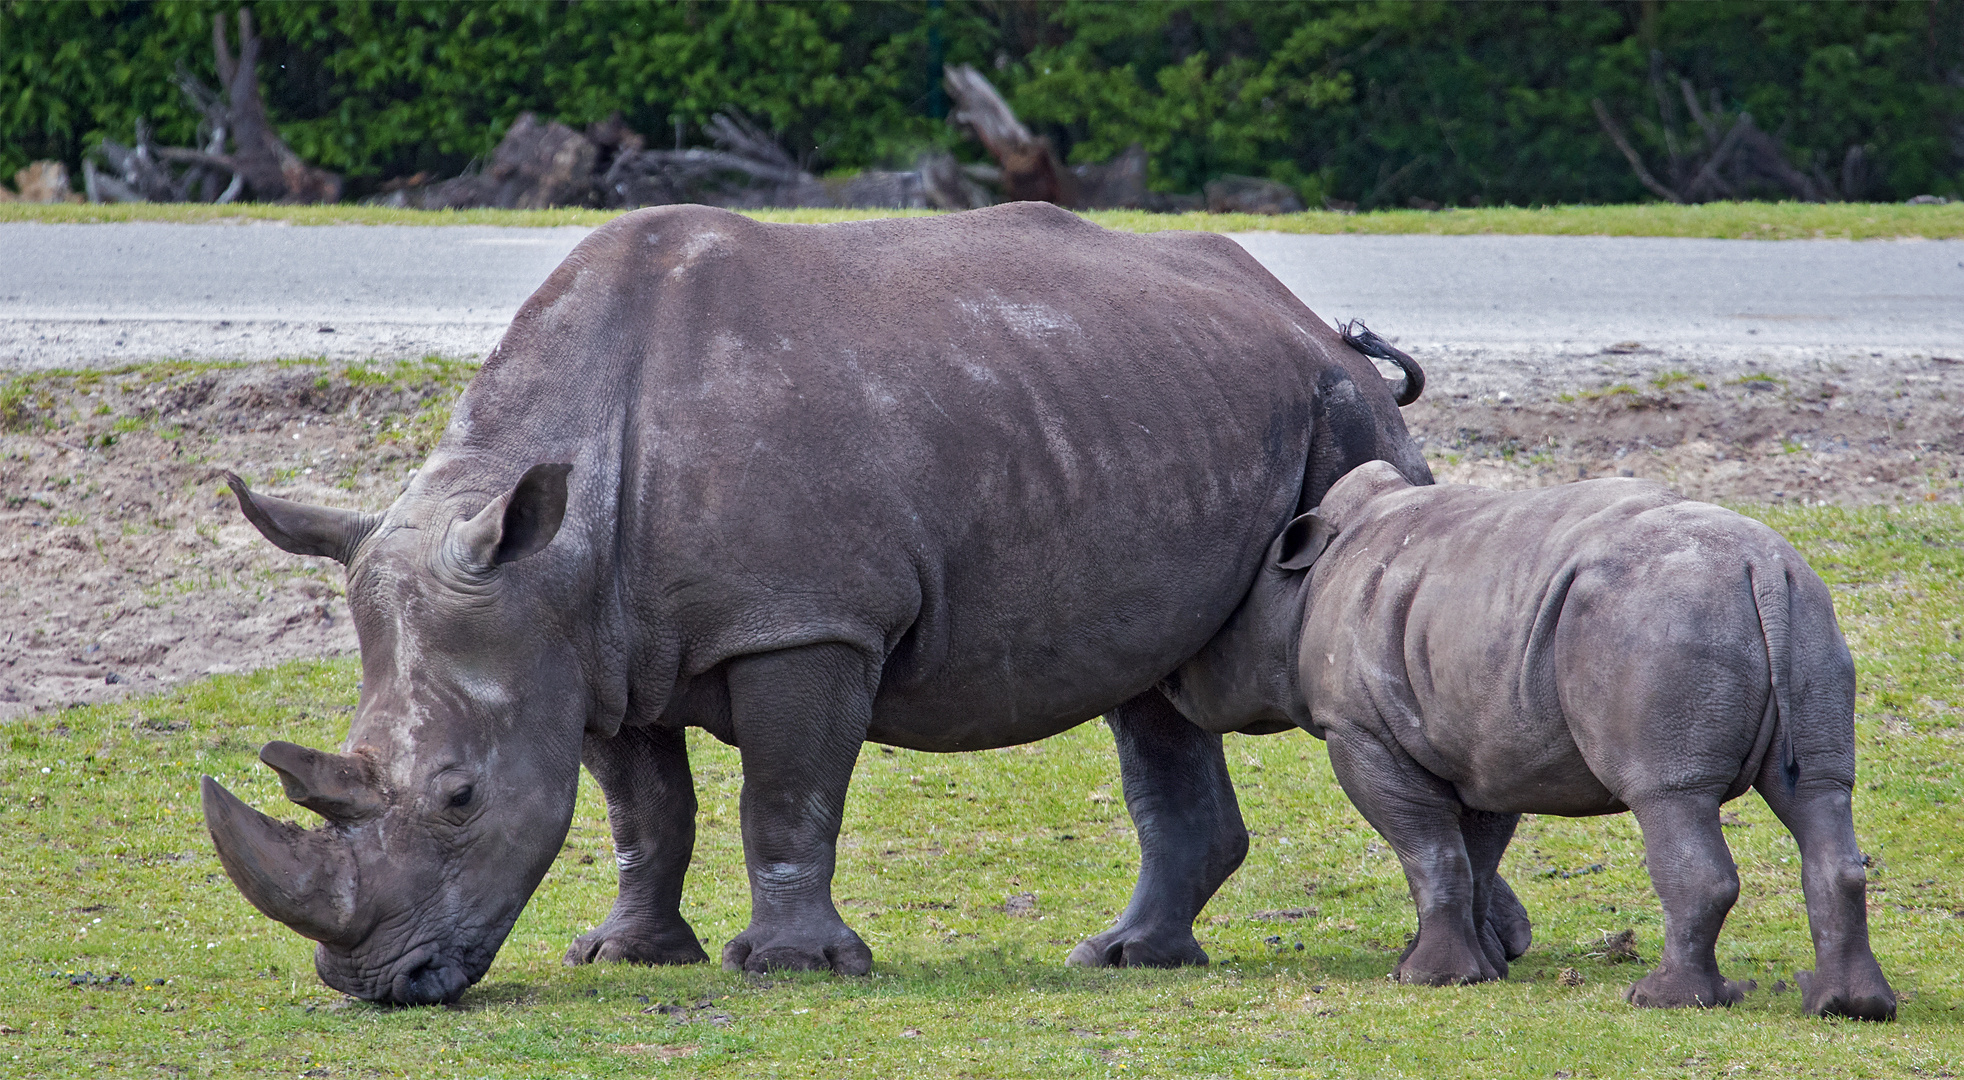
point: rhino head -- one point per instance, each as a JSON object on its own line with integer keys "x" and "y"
{"x": 455, "y": 788}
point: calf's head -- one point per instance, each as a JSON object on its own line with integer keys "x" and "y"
{"x": 455, "y": 788}
{"x": 1249, "y": 676}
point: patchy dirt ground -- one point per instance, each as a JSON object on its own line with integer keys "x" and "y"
{"x": 125, "y": 567}
{"x": 1848, "y": 430}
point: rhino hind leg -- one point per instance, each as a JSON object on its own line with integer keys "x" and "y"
{"x": 800, "y": 717}
{"x": 1846, "y": 980}
{"x": 651, "y": 807}
{"x": 1692, "y": 870}
{"x": 1191, "y": 837}
{"x": 1422, "y": 819}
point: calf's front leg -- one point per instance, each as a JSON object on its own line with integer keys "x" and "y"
{"x": 651, "y": 806}
{"x": 800, "y": 717}
{"x": 1420, "y": 816}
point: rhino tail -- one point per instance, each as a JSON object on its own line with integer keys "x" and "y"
{"x": 1773, "y": 597}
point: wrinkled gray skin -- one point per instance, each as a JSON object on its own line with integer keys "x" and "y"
{"x": 1473, "y": 655}
{"x": 949, "y": 484}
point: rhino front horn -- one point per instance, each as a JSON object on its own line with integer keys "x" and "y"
{"x": 303, "y": 879}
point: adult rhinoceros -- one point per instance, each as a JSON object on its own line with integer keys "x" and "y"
{"x": 947, "y": 484}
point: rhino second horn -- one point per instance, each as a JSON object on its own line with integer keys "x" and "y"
{"x": 303, "y": 879}
{"x": 338, "y": 787}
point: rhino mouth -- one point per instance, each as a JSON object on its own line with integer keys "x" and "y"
{"x": 423, "y": 976}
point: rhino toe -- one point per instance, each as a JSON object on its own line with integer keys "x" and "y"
{"x": 1667, "y": 990}
{"x": 1122, "y": 947}
{"x": 1821, "y": 997}
{"x": 845, "y": 954}
{"x": 619, "y": 942}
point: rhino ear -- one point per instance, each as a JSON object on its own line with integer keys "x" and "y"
{"x": 304, "y": 529}
{"x": 1302, "y": 540}
{"x": 519, "y": 523}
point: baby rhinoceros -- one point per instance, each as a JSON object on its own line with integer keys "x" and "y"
{"x": 1473, "y": 655}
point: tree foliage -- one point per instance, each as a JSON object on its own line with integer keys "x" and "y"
{"x": 1465, "y": 103}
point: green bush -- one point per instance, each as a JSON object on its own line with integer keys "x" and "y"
{"x": 1378, "y": 103}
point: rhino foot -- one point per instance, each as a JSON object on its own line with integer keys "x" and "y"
{"x": 841, "y": 952}
{"x": 1858, "y": 998}
{"x": 1450, "y": 962}
{"x": 620, "y": 940}
{"x": 1668, "y": 990}
{"x": 1123, "y": 946}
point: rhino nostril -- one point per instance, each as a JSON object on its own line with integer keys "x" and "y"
{"x": 431, "y": 982}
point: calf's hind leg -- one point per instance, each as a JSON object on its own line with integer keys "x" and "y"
{"x": 651, "y": 805}
{"x": 1421, "y": 817}
{"x": 1846, "y": 980}
{"x": 1695, "y": 878}
{"x": 1190, "y": 835}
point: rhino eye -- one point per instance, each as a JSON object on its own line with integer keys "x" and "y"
{"x": 462, "y": 797}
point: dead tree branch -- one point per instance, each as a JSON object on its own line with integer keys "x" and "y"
{"x": 1725, "y": 157}
{"x": 260, "y": 161}
{"x": 1630, "y": 152}
{"x": 1030, "y": 169}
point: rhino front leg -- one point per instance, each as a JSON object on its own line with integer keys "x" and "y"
{"x": 1694, "y": 875}
{"x": 1507, "y": 920}
{"x": 1190, "y": 835}
{"x": 1497, "y": 911}
{"x": 651, "y": 806}
{"x": 1421, "y": 817}
{"x": 800, "y": 716}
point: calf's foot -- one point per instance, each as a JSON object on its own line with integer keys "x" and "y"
{"x": 1863, "y": 996}
{"x": 634, "y": 940}
{"x": 833, "y": 948}
{"x": 1662, "y": 989}
{"x": 1132, "y": 946}
{"x": 1440, "y": 959}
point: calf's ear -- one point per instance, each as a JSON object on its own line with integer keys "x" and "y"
{"x": 1302, "y": 540}
{"x": 518, "y": 523}
{"x": 304, "y": 529}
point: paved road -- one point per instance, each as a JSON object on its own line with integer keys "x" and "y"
{"x": 74, "y": 295}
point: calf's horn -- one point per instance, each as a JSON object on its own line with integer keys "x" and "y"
{"x": 303, "y": 879}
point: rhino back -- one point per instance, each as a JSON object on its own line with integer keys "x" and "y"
{"x": 1032, "y": 462}
{"x": 1483, "y": 630}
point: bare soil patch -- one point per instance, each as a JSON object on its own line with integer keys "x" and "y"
{"x": 1823, "y": 432}
{"x": 125, "y": 566}
{"x": 124, "y": 563}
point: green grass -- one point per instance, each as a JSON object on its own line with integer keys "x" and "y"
{"x": 1727, "y": 221}
{"x": 933, "y": 846}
